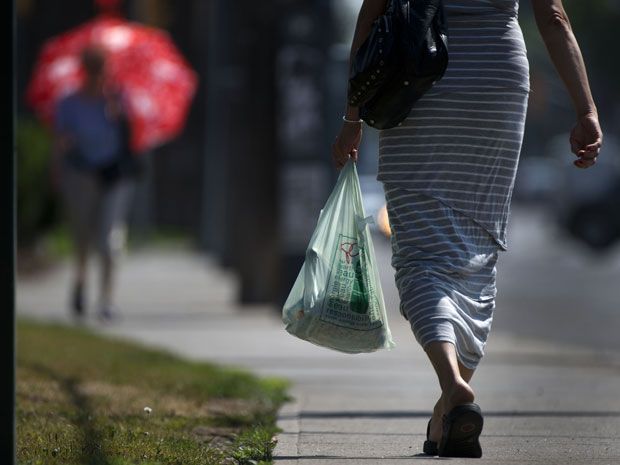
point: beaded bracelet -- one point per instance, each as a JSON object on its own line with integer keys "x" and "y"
{"x": 344, "y": 118}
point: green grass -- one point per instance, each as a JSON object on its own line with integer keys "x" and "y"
{"x": 81, "y": 399}
{"x": 58, "y": 242}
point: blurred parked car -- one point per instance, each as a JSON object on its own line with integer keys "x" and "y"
{"x": 584, "y": 203}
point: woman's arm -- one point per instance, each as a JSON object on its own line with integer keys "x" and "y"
{"x": 350, "y": 135}
{"x": 556, "y": 32}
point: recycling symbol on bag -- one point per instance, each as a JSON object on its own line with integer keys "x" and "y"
{"x": 350, "y": 250}
{"x": 359, "y": 295}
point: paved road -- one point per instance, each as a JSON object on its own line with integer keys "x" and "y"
{"x": 550, "y": 288}
{"x": 556, "y": 289}
{"x": 548, "y": 387}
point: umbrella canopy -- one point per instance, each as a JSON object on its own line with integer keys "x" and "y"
{"x": 156, "y": 81}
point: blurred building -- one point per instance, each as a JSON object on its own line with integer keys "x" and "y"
{"x": 252, "y": 169}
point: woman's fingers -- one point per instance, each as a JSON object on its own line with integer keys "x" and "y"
{"x": 594, "y": 148}
{"x": 575, "y": 145}
{"x": 585, "y": 160}
{"x": 346, "y": 145}
{"x": 340, "y": 158}
{"x": 581, "y": 149}
{"x": 586, "y": 141}
{"x": 342, "y": 154}
{"x": 588, "y": 154}
{"x": 578, "y": 146}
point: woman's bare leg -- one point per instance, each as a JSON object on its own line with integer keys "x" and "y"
{"x": 453, "y": 379}
{"x": 80, "y": 195}
{"x": 78, "y": 299}
{"x": 116, "y": 201}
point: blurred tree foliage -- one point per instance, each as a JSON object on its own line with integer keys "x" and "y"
{"x": 594, "y": 23}
{"x": 36, "y": 205}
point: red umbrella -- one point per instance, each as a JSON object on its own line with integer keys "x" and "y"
{"x": 155, "y": 79}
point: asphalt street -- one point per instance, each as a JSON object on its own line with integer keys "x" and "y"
{"x": 550, "y": 287}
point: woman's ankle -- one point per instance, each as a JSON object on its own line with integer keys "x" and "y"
{"x": 457, "y": 394}
{"x": 438, "y": 409}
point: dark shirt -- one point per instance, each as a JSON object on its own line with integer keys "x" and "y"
{"x": 96, "y": 135}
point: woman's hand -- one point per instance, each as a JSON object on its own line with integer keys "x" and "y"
{"x": 586, "y": 139}
{"x": 556, "y": 31}
{"x": 347, "y": 143}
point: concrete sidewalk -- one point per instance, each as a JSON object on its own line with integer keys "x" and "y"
{"x": 543, "y": 404}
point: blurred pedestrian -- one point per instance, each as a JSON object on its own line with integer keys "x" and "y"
{"x": 448, "y": 174}
{"x": 96, "y": 171}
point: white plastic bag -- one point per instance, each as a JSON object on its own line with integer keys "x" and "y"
{"x": 336, "y": 301}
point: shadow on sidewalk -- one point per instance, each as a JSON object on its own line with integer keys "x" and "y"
{"x": 426, "y": 414}
{"x": 340, "y": 457}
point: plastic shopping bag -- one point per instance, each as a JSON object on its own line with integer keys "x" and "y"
{"x": 336, "y": 301}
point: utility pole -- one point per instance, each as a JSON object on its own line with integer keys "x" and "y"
{"x": 7, "y": 244}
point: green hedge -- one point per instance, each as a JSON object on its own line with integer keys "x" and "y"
{"x": 37, "y": 203}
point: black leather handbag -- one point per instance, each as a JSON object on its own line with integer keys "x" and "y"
{"x": 405, "y": 53}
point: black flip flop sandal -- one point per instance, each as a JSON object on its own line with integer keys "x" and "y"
{"x": 430, "y": 447}
{"x": 461, "y": 432}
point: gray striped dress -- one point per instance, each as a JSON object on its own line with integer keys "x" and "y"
{"x": 448, "y": 174}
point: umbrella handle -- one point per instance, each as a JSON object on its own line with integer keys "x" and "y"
{"x": 109, "y": 6}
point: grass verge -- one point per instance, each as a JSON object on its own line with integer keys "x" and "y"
{"x": 86, "y": 399}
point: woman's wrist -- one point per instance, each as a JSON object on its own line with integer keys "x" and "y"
{"x": 352, "y": 121}
{"x": 352, "y": 113}
{"x": 587, "y": 110}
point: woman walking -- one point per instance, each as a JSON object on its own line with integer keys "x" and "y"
{"x": 448, "y": 173}
{"x": 97, "y": 172}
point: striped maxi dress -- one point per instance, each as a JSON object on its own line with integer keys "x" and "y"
{"x": 448, "y": 174}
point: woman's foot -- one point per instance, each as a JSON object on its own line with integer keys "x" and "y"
{"x": 460, "y": 393}
{"x": 78, "y": 300}
{"x": 453, "y": 379}
{"x": 107, "y": 312}
{"x": 436, "y": 422}
{"x": 462, "y": 427}
{"x": 457, "y": 394}
{"x": 430, "y": 447}
{"x": 461, "y": 422}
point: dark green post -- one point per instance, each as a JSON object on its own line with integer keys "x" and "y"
{"x": 7, "y": 244}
